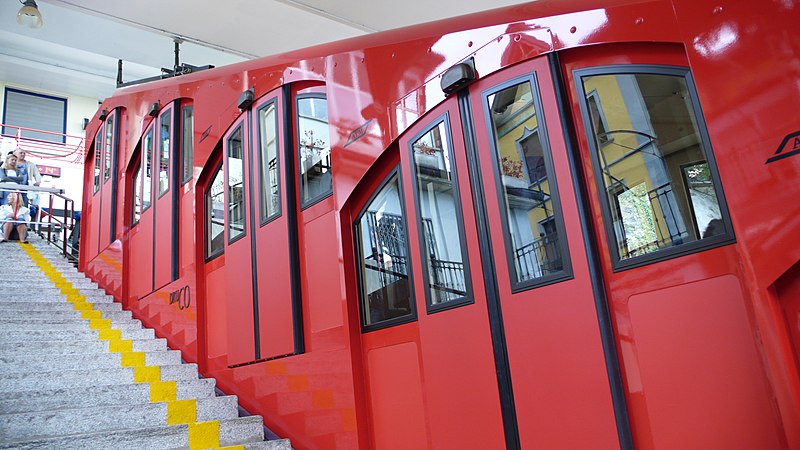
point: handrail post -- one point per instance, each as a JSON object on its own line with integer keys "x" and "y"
{"x": 50, "y": 219}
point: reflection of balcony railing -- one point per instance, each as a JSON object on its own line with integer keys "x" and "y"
{"x": 448, "y": 280}
{"x": 538, "y": 258}
{"x": 69, "y": 148}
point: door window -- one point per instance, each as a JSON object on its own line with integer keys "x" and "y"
{"x": 165, "y": 142}
{"x": 235, "y": 183}
{"x": 187, "y": 143}
{"x": 98, "y": 159}
{"x": 384, "y": 272}
{"x": 652, "y": 160}
{"x": 534, "y": 243}
{"x": 147, "y": 177}
{"x": 314, "y": 146}
{"x": 109, "y": 148}
{"x": 270, "y": 194}
{"x": 137, "y": 194}
{"x": 215, "y": 215}
{"x": 439, "y": 217}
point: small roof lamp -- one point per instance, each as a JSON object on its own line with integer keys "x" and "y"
{"x": 29, "y": 14}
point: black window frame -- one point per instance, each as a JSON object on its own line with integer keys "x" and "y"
{"x": 265, "y": 218}
{"x": 312, "y": 201}
{"x": 63, "y": 132}
{"x": 99, "y": 148}
{"x": 566, "y": 272}
{"x": 468, "y": 298}
{"x": 395, "y": 321}
{"x": 136, "y": 171}
{"x": 150, "y": 130}
{"x": 108, "y": 146}
{"x": 701, "y": 244}
{"x": 184, "y": 177}
{"x": 240, "y": 128}
{"x": 207, "y": 216}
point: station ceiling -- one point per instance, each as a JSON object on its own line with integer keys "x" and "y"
{"x": 77, "y": 48}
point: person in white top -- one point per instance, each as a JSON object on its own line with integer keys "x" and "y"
{"x": 15, "y": 215}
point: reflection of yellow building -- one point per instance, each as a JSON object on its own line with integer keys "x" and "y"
{"x": 648, "y": 147}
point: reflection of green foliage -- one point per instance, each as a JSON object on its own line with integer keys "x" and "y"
{"x": 637, "y": 218}
{"x": 699, "y": 173}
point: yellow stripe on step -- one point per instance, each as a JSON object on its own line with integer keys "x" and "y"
{"x": 132, "y": 359}
{"x": 204, "y": 434}
{"x": 163, "y": 391}
{"x": 146, "y": 374}
{"x": 182, "y": 411}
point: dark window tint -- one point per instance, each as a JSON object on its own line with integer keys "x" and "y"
{"x": 235, "y": 183}
{"x": 528, "y": 188}
{"x": 314, "y": 149}
{"x": 440, "y": 224}
{"x": 187, "y": 142}
{"x": 147, "y": 179}
{"x": 268, "y": 159}
{"x": 383, "y": 258}
{"x": 164, "y": 146}
{"x": 652, "y": 162}
{"x": 109, "y": 148}
{"x": 215, "y": 214}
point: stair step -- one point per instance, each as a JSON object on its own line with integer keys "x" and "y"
{"x": 26, "y": 381}
{"x": 232, "y": 432}
{"x": 54, "y": 306}
{"x": 63, "y": 324}
{"x": 80, "y": 334}
{"x": 64, "y": 314}
{"x": 35, "y": 362}
{"x": 70, "y": 347}
{"x": 85, "y": 397}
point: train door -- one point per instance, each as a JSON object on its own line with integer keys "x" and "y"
{"x": 107, "y": 197}
{"x": 163, "y": 202}
{"x": 258, "y": 292}
{"x": 668, "y": 254}
{"x": 477, "y": 306}
{"x": 92, "y": 237}
{"x": 140, "y": 271}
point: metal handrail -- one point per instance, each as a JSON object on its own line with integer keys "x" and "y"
{"x": 72, "y": 148}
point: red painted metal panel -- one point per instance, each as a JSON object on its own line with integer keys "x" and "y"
{"x": 162, "y": 228}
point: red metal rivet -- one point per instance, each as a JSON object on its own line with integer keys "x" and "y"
{"x": 573, "y": 30}
{"x": 469, "y": 44}
{"x": 717, "y": 10}
{"x": 639, "y": 20}
{"x": 517, "y": 38}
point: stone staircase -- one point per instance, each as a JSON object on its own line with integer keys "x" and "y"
{"x": 78, "y": 372}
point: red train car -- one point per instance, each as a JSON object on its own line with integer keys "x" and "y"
{"x": 565, "y": 224}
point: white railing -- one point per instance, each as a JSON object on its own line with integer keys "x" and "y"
{"x": 69, "y": 148}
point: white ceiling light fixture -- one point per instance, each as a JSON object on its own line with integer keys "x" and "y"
{"x": 29, "y": 14}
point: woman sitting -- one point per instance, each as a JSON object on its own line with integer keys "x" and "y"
{"x": 15, "y": 215}
{"x": 9, "y": 174}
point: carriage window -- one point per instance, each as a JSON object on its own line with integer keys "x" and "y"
{"x": 187, "y": 142}
{"x": 382, "y": 257}
{"x": 147, "y": 183}
{"x": 235, "y": 183}
{"x": 215, "y": 215}
{"x": 109, "y": 148}
{"x": 440, "y": 217}
{"x": 137, "y": 194}
{"x": 314, "y": 149}
{"x": 98, "y": 159}
{"x": 163, "y": 164}
{"x": 654, "y": 163}
{"x": 534, "y": 244}
{"x": 268, "y": 159}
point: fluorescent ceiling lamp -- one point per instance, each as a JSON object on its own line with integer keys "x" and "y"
{"x": 29, "y": 14}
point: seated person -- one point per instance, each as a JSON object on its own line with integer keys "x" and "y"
{"x": 9, "y": 174}
{"x": 15, "y": 215}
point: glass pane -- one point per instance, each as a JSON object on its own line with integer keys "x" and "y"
{"x": 187, "y": 142}
{"x": 534, "y": 239}
{"x": 383, "y": 262}
{"x": 215, "y": 214}
{"x": 109, "y": 148}
{"x": 315, "y": 149}
{"x": 268, "y": 146}
{"x": 147, "y": 179}
{"x": 137, "y": 194}
{"x": 440, "y": 218}
{"x": 163, "y": 166}
{"x": 235, "y": 185}
{"x": 653, "y": 162}
{"x": 98, "y": 159}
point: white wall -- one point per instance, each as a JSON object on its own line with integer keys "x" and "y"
{"x": 78, "y": 108}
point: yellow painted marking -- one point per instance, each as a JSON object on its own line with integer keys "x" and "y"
{"x": 120, "y": 345}
{"x": 182, "y": 411}
{"x": 204, "y": 434}
{"x": 163, "y": 391}
{"x": 99, "y": 324}
{"x": 146, "y": 374}
{"x": 132, "y": 359}
{"x": 92, "y": 314}
{"x": 82, "y": 306}
{"x": 109, "y": 334}
{"x": 231, "y": 447}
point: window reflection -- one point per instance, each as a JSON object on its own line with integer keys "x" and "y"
{"x": 653, "y": 162}
{"x": 314, "y": 149}
{"x": 109, "y": 148}
{"x": 383, "y": 259}
{"x": 137, "y": 193}
{"x": 215, "y": 214}
{"x": 187, "y": 142}
{"x": 147, "y": 183}
{"x": 534, "y": 239}
{"x": 163, "y": 166}
{"x": 440, "y": 218}
{"x": 98, "y": 159}
{"x": 235, "y": 185}
{"x": 268, "y": 145}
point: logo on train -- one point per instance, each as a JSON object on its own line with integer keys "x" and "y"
{"x": 790, "y": 146}
{"x": 182, "y": 296}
